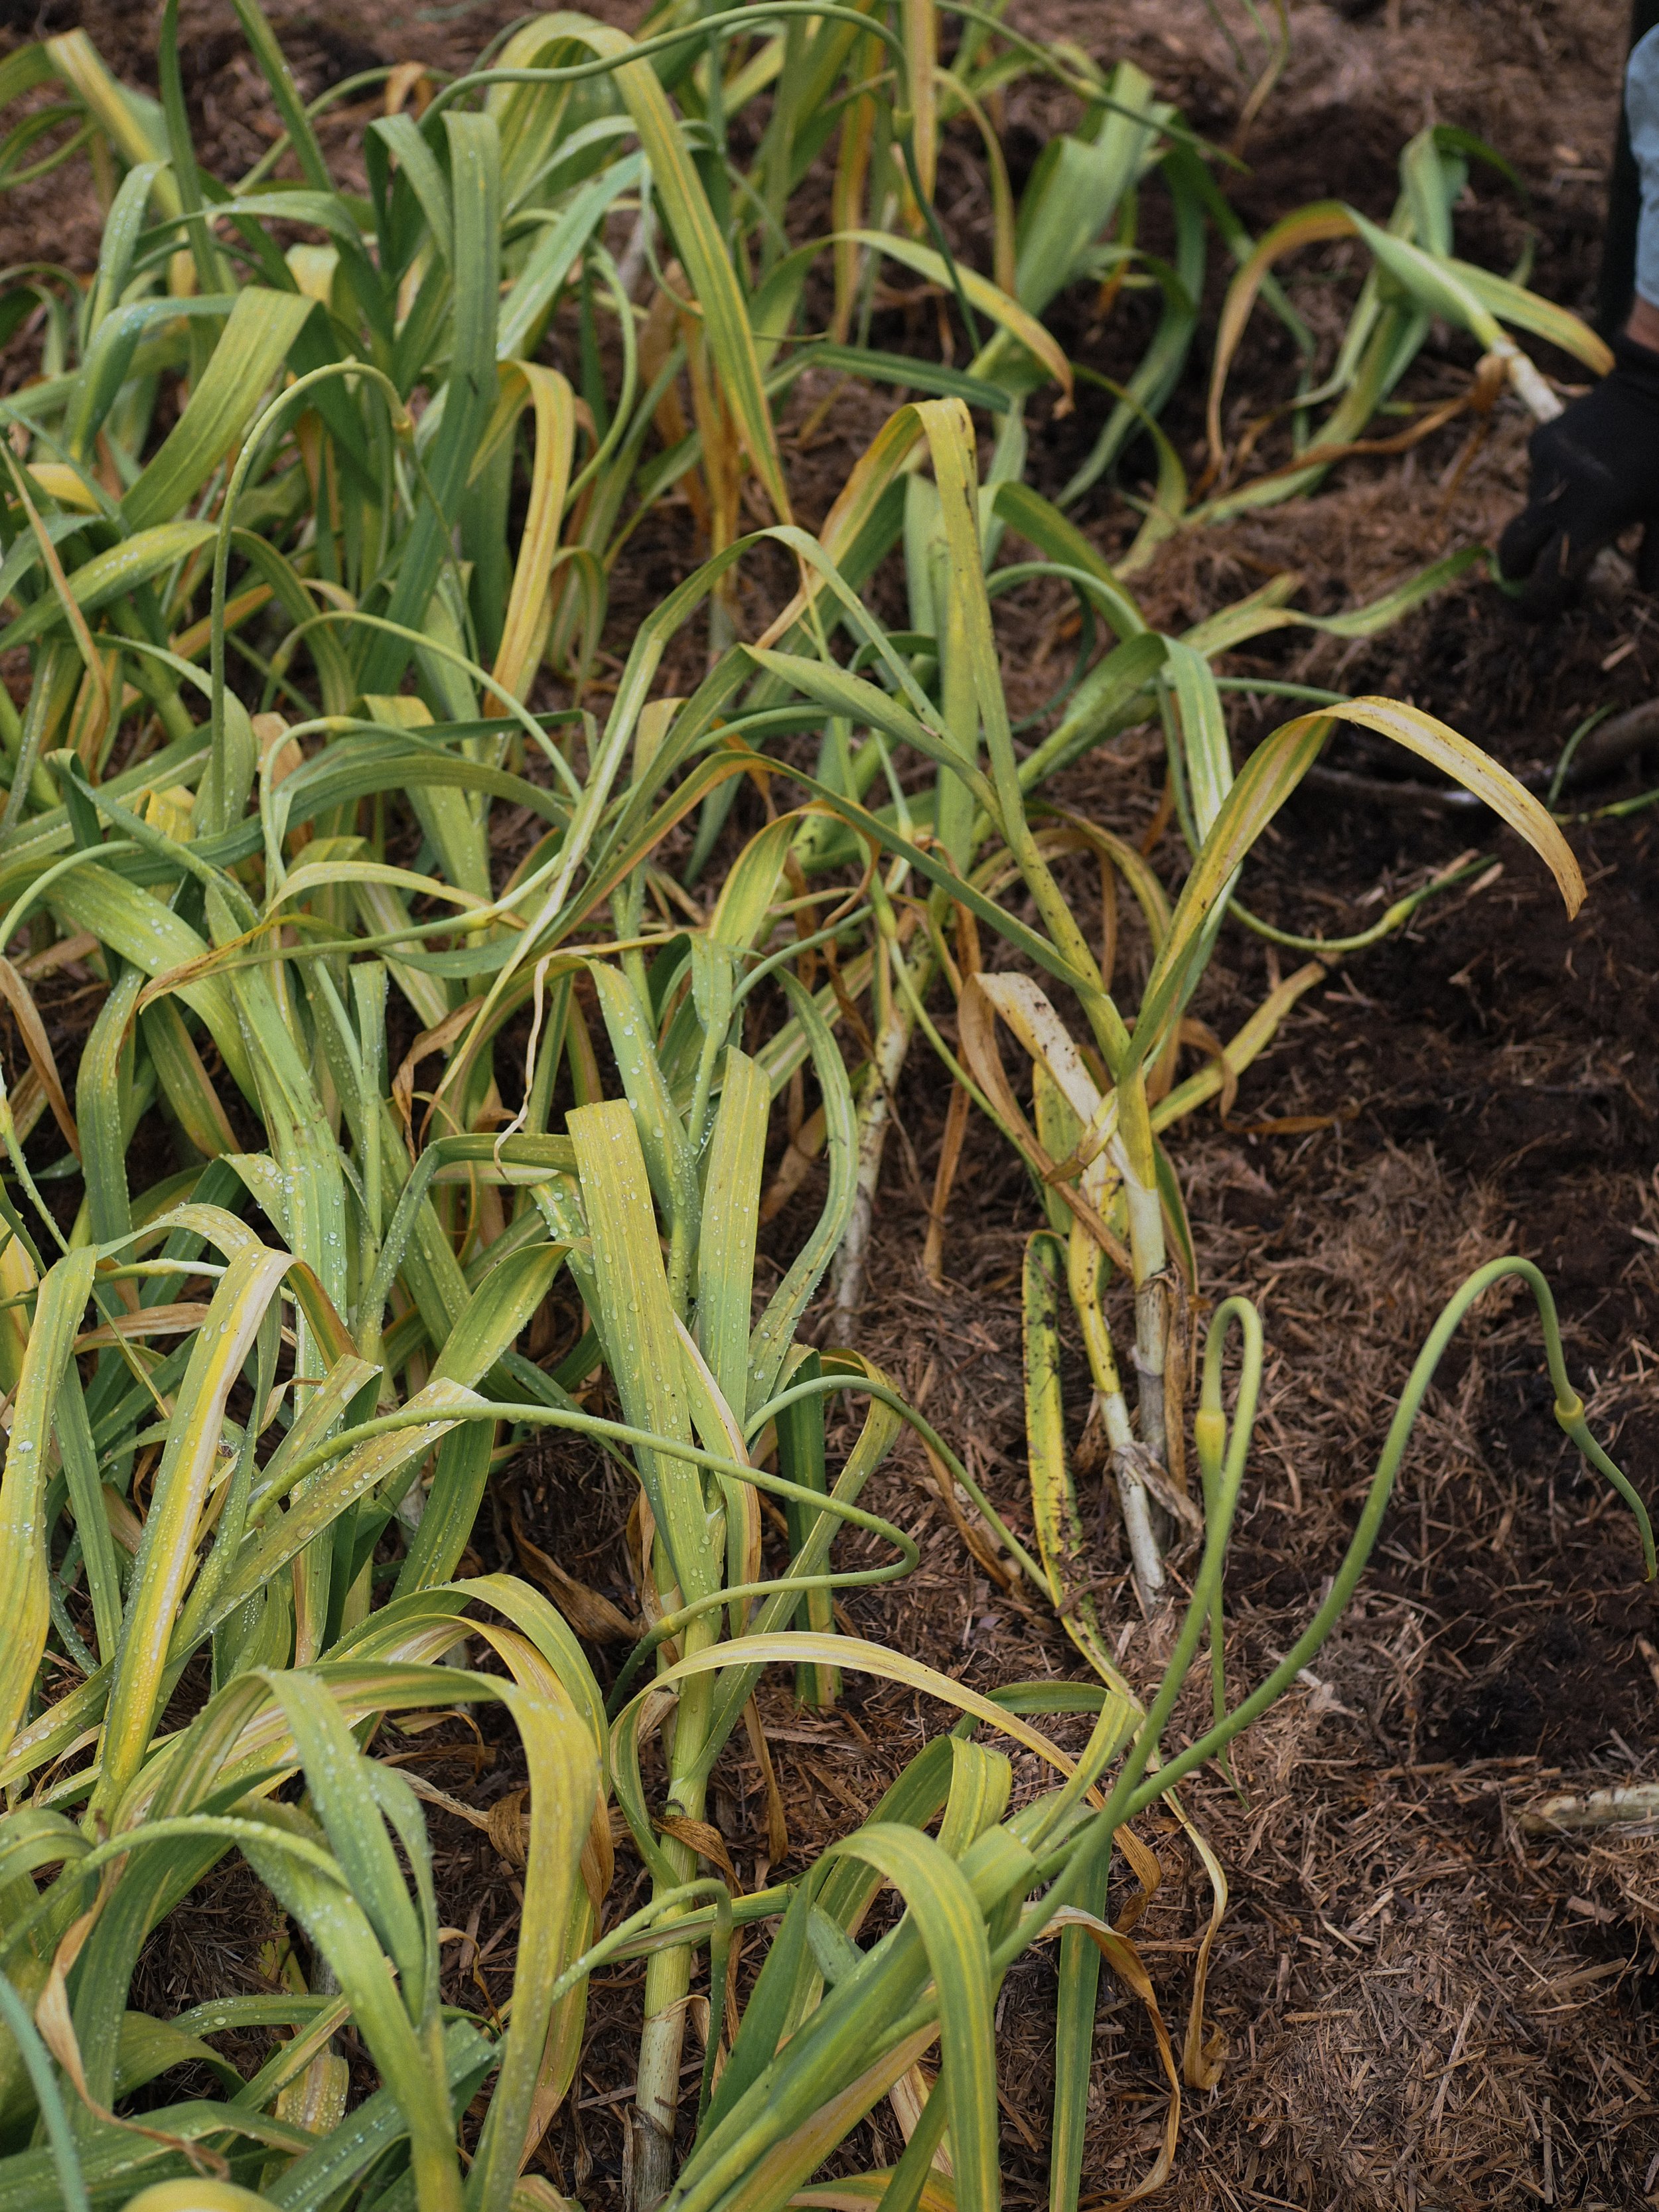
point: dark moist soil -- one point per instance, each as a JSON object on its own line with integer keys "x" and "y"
{"x": 1415, "y": 2003}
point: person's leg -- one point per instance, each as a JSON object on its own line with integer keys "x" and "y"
{"x": 1617, "y": 282}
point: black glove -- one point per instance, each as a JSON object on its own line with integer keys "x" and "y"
{"x": 1594, "y": 471}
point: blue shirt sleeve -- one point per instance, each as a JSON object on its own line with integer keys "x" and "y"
{"x": 1642, "y": 113}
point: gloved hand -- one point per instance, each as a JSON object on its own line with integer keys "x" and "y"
{"x": 1594, "y": 471}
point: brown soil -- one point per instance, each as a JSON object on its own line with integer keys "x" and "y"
{"x": 1421, "y": 2006}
